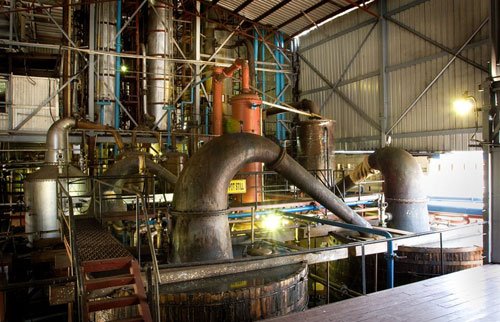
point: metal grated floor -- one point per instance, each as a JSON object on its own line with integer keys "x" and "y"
{"x": 95, "y": 243}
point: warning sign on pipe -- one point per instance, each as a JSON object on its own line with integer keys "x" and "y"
{"x": 237, "y": 186}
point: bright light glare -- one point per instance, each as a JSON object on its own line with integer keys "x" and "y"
{"x": 123, "y": 68}
{"x": 463, "y": 106}
{"x": 271, "y": 222}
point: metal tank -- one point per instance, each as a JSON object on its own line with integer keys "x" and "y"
{"x": 316, "y": 144}
{"x": 106, "y": 70}
{"x": 246, "y": 109}
{"x": 40, "y": 194}
{"x": 41, "y": 186}
{"x": 160, "y": 71}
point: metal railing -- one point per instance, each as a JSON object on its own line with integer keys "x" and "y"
{"x": 69, "y": 224}
{"x": 141, "y": 202}
{"x": 67, "y": 218}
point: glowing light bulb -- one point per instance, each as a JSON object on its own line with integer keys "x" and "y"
{"x": 272, "y": 222}
{"x": 463, "y": 106}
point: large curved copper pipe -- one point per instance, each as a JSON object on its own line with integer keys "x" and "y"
{"x": 201, "y": 228}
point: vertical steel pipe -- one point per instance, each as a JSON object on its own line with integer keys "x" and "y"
{"x": 217, "y": 108}
{"x": 106, "y": 32}
{"x": 160, "y": 71}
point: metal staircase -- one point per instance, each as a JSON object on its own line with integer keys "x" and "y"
{"x": 118, "y": 272}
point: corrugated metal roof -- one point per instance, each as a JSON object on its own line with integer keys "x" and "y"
{"x": 289, "y": 16}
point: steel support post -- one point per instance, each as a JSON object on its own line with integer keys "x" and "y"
{"x": 66, "y": 56}
{"x": 492, "y": 229}
{"x": 197, "y": 71}
{"x": 91, "y": 71}
{"x": 384, "y": 77}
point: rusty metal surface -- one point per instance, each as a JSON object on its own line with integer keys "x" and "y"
{"x": 94, "y": 242}
{"x": 403, "y": 188}
{"x": 316, "y": 144}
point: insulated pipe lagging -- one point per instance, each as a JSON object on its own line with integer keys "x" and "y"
{"x": 403, "y": 188}
{"x": 57, "y": 140}
{"x": 201, "y": 229}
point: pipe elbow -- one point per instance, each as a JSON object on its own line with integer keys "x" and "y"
{"x": 57, "y": 140}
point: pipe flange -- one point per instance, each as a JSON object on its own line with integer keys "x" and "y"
{"x": 280, "y": 158}
{"x": 200, "y": 213}
{"x": 399, "y": 200}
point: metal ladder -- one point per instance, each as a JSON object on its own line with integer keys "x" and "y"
{"x": 118, "y": 272}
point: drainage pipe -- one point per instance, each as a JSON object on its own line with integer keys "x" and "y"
{"x": 403, "y": 188}
{"x": 200, "y": 205}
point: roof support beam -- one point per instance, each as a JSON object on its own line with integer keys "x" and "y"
{"x": 273, "y": 9}
{"x": 242, "y": 6}
{"x": 353, "y": 105}
{"x": 426, "y": 89}
{"x": 435, "y": 43}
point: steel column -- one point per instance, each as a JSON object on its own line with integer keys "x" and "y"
{"x": 197, "y": 52}
{"x": 118, "y": 61}
{"x": 91, "y": 71}
{"x": 384, "y": 76}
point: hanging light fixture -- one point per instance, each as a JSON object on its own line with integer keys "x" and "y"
{"x": 465, "y": 104}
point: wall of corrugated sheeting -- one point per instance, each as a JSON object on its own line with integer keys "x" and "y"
{"x": 412, "y": 63}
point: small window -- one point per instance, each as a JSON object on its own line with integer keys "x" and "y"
{"x": 3, "y": 96}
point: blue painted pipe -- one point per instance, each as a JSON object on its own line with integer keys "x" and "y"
{"x": 267, "y": 212}
{"x": 191, "y": 100}
{"x": 390, "y": 250}
{"x": 118, "y": 62}
{"x": 293, "y": 210}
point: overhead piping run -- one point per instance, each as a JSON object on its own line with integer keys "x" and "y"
{"x": 200, "y": 205}
{"x": 57, "y": 138}
{"x": 291, "y": 109}
{"x": 403, "y": 187}
{"x": 304, "y": 105}
{"x": 219, "y": 74}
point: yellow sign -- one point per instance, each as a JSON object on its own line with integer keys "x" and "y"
{"x": 237, "y": 186}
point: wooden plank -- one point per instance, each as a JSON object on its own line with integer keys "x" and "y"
{"x": 466, "y": 295}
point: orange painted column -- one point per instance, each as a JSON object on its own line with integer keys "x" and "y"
{"x": 246, "y": 110}
{"x": 217, "y": 111}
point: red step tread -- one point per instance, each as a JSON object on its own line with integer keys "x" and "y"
{"x": 106, "y": 265}
{"x": 132, "y": 319}
{"x": 112, "y": 281}
{"x": 106, "y": 304}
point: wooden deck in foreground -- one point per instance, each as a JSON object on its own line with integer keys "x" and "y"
{"x": 470, "y": 295}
